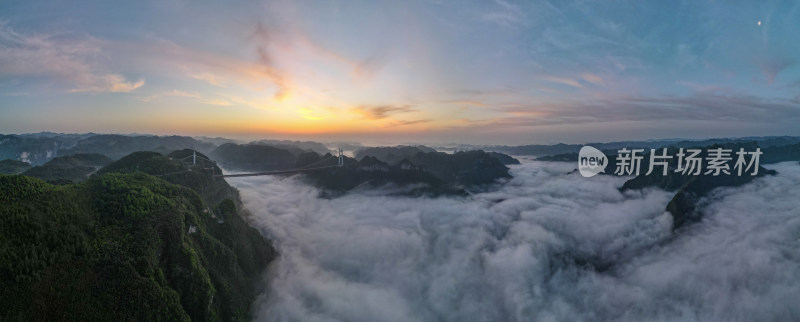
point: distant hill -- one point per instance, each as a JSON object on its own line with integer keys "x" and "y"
{"x": 503, "y": 158}
{"x": 9, "y": 166}
{"x": 439, "y": 173}
{"x": 780, "y": 153}
{"x": 215, "y": 140}
{"x": 465, "y": 168}
{"x": 295, "y": 147}
{"x": 396, "y": 154}
{"x": 38, "y": 148}
{"x": 348, "y": 146}
{"x": 371, "y": 172}
{"x": 70, "y": 168}
{"x": 127, "y": 245}
{"x": 116, "y": 146}
{"x": 79, "y": 136}
{"x": 562, "y": 151}
{"x": 253, "y": 157}
{"x": 774, "y": 152}
{"x": 563, "y": 157}
{"x": 33, "y": 150}
{"x": 393, "y": 154}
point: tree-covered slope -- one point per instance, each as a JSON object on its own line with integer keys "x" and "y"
{"x": 370, "y": 172}
{"x": 465, "y": 168}
{"x": 392, "y": 154}
{"x": 253, "y": 157}
{"x": 72, "y": 168}
{"x": 503, "y": 158}
{"x": 9, "y": 166}
{"x": 128, "y": 247}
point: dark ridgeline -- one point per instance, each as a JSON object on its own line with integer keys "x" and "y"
{"x": 39, "y": 148}
{"x": 34, "y": 150}
{"x": 563, "y": 151}
{"x": 433, "y": 172}
{"x": 503, "y": 158}
{"x": 116, "y": 146}
{"x": 254, "y": 157}
{"x": 392, "y": 154}
{"x": 464, "y": 168}
{"x": 295, "y": 146}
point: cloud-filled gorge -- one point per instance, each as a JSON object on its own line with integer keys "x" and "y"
{"x": 544, "y": 246}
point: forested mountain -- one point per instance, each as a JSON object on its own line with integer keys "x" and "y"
{"x": 39, "y": 148}
{"x": 9, "y": 166}
{"x": 34, "y": 150}
{"x": 300, "y": 146}
{"x": 147, "y": 238}
{"x": 441, "y": 172}
{"x": 253, "y": 157}
{"x": 116, "y": 146}
{"x": 392, "y": 154}
{"x": 70, "y": 168}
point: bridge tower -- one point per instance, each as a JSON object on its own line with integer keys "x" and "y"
{"x": 341, "y": 157}
{"x": 194, "y": 157}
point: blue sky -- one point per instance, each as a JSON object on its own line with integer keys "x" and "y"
{"x": 395, "y": 71}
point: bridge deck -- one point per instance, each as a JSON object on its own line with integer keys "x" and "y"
{"x": 273, "y": 172}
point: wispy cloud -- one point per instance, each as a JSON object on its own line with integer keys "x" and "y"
{"x": 580, "y": 81}
{"x": 309, "y": 114}
{"x": 710, "y": 106}
{"x": 209, "y": 78}
{"x": 172, "y": 93}
{"x": 366, "y": 68}
{"x": 699, "y": 87}
{"x": 563, "y": 81}
{"x": 506, "y": 14}
{"x": 67, "y": 61}
{"x": 190, "y": 95}
{"x": 108, "y": 83}
{"x": 282, "y": 46}
{"x": 771, "y": 67}
{"x": 381, "y": 112}
{"x": 274, "y": 73}
{"x": 217, "y": 101}
{"x": 407, "y": 123}
{"x": 466, "y": 102}
{"x": 594, "y": 79}
{"x": 166, "y": 58}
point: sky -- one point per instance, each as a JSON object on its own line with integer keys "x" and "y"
{"x": 439, "y": 71}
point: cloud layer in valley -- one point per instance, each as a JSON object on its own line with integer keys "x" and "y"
{"x": 545, "y": 246}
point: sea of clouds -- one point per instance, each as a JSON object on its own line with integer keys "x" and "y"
{"x": 544, "y": 246}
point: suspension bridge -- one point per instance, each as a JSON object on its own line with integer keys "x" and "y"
{"x": 309, "y": 167}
